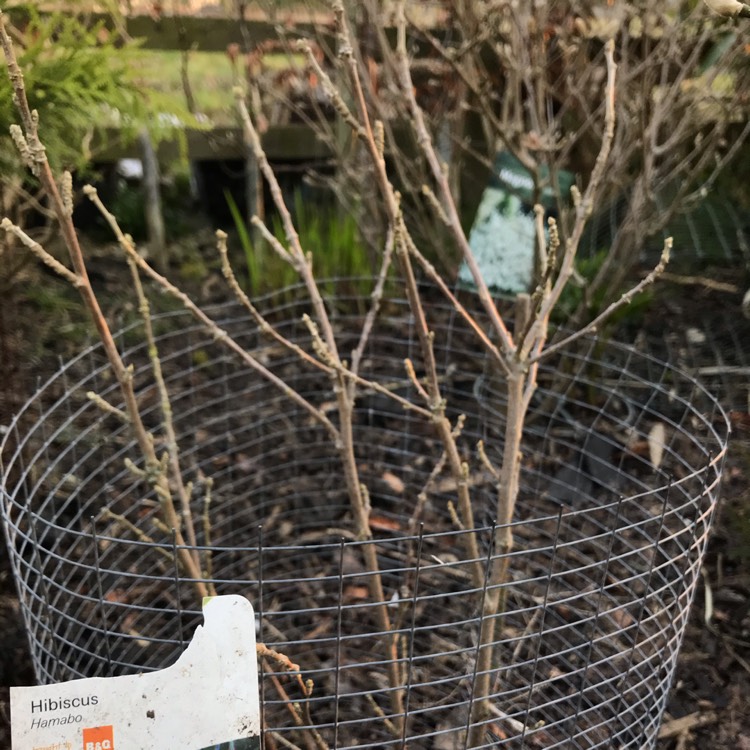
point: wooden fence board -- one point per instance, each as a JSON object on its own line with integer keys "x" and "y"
{"x": 209, "y": 34}
{"x": 281, "y": 143}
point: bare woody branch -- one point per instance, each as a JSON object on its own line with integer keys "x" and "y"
{"x": 219, "y": 334}
{"x": 36, "y": 154}
{"x": 441, "y": 179}
{"x": 610, "y": 310}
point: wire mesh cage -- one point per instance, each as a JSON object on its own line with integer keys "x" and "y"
{"x": 621, "y": 465}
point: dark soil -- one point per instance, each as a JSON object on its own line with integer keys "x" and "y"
{"x": 692, "y": 326}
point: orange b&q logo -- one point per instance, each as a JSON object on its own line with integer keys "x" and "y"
{"x": 98, "y": 738}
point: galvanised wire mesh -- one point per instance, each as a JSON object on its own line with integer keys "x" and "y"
{"x": 609, "y": 537}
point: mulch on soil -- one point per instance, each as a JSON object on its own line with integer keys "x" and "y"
{"x": 708, "y": 706}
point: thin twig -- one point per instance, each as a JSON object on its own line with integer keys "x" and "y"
{"x": 219, "y": 334}
{"x": 331, "y": 90}
{"x": 712, "y": 284}
{"x": 625, "y": 299}
{"x": 283, "y": 740}
{"x": 136, "y": 532}
{"x": 484, "y": 458}
{"x": 41, "y": 253}
{"x": 470, "y": 319}
{"x": 378, "y": 711}
{"x": 208, "y": 559}
{"x": 105, "y": 406}
{"x": 520, "y": 384}
{"x": 402, "y": 241}
{"x": 344, "y": 436}
{"x": 424, "y": 493}
{"x": 292, "y": 707}
{"x": 300, "y": 262}
{"x": 412, "y": 375}
{"x": 375, "y": 300}
{"x": 273, "y": 241}
{"x": 300, "y": 714}
{"x": 439, "y": 175}
{"x": 166, "y": 409}
{"x": 534, "y": 339}
{"x": 263, "y": 325}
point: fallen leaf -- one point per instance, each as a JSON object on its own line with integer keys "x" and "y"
{"x": 127, "y": 626}
{"x": 355, "y": 593}
{"x": 708, "y": 598}
{"x": 117, "y": 596}
{"x": 656, "y": 441}
{"x": 393, "y": 482}
{"x": 622, "y": 618}
{"x": 695, "y": 336}
{"x": 564, "y": 611}
{"x": 380, "y": 523}
{"x": 740, "y": 420}
{"x": 638, "y": 447}
{"x": 497, "y": 731}
{"x": 245, "y": 463}
{"x": 735, "y": 472}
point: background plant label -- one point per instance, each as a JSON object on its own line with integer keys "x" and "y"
{"x": 503, "y": 236}
{"x": 208, "y": 698}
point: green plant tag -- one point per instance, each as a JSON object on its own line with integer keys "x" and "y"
{"x": 207, "y": 699}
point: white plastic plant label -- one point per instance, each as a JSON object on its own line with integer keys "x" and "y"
{"x": 207, "y": 699}
{"x": 503, "y": 235}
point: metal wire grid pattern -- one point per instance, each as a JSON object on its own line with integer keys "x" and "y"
{"x": 711, "y": 345}
{"x": 608, "y": 547}
{"x": 712, "y": 231}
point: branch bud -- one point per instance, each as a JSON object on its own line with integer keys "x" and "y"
{"x": 66, "y": 189}
{"x": 23, "y": 147}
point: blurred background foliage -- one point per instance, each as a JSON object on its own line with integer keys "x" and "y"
{"x": 78, "y": 79}
{"x": 82, "y": 79}
{"x": 85, "y": 77}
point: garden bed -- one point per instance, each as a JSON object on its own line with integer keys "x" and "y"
{"x": 600, "y": 522}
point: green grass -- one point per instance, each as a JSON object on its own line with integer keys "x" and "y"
{"x": 210, "y": 76}
{"x": 211, "y": 79}
{"x": 331, "y": 240}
